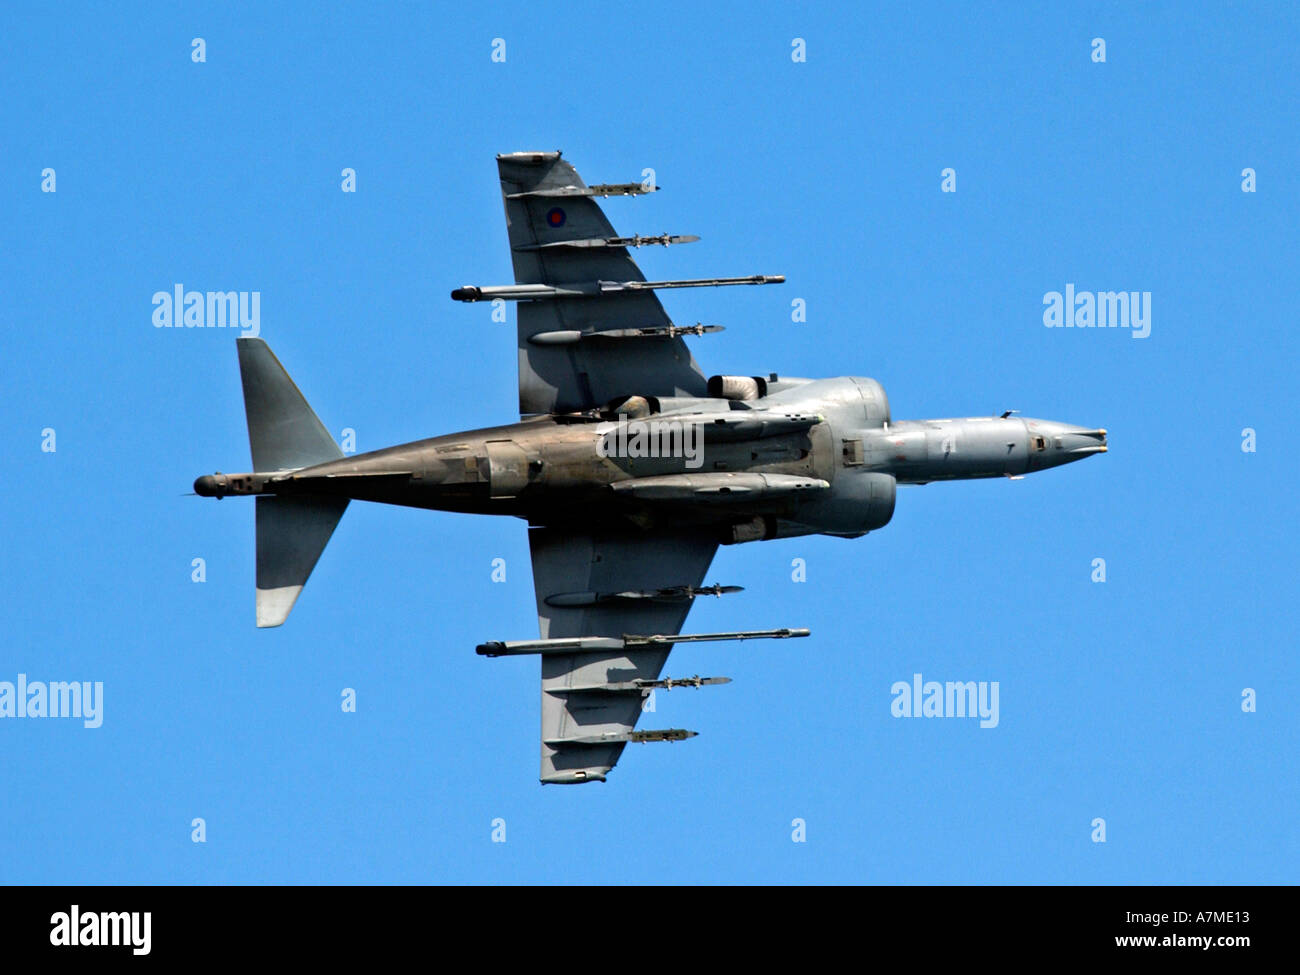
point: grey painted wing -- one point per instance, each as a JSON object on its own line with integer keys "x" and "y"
{"x": 604, "y": 563}
{"x": 543, "y": 207}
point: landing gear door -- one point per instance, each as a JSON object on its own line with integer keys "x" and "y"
{"x": 507, "y": 468}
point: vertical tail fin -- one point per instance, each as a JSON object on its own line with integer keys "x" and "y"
{"x": 284, "y": 434}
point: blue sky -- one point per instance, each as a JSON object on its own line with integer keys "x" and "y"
{"x": 1119, "y": 700}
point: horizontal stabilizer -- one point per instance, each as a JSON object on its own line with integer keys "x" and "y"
{"x": 291, "y": 534}
{"x": 283, "y": 432}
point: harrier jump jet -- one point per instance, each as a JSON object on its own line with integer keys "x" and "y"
{"x": 630, "y": 466}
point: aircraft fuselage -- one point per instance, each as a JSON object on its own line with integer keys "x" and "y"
{"x": 816, "y": 457}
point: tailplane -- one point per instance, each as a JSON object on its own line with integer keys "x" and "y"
{"x": 282, "y": 429}
{"x": 291, "y": 534}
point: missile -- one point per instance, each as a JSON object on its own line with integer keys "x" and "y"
{"x": 668, "y": 683}
{"x": 599, "y": 189}
{"x": 669, "y": 594}
{"x": 639, "y": 686}
{"x": 569, "y": 336}
{"x": 692, "y": 283}
{"x": 740, "y": 424}
{"x": 523, "y": 292}
{"x": 784, "y": 633}
{"x": 719, "y": 487}
{"x": 663, "y": 240}
{"x": 666, "y": 734}
{"x": 755, "y": 424}
{"x": 601, "y": 644}
{"x": 591, "y": 289}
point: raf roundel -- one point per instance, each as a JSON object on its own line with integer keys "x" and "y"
{"x": 555, "y": 217}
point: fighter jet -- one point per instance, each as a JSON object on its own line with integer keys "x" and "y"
{"x": 629, "y": 465}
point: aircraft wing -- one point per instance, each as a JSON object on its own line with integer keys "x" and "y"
{"x": 594, "y": 695}
{"x": 560, "y": 238}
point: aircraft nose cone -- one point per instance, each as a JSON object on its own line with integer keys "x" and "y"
{"x": 1080, "y": 442}
{"x": 1052, "y": 444}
